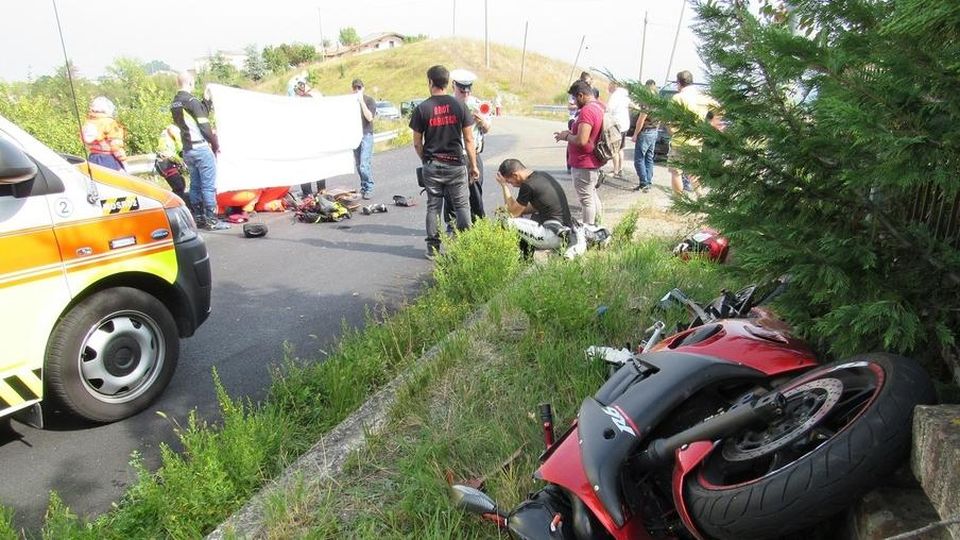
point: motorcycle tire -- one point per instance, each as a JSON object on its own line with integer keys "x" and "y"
{"x": 847, "y": 425}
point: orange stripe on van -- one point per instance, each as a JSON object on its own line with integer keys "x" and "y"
{"x": 94, "y": 236}
{"x": 35, "y": 276}
{"x": 130, "y": 183}
{"x": 29, "y": 249}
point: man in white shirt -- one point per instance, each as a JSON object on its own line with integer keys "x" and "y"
{"x": 618, "y": 105}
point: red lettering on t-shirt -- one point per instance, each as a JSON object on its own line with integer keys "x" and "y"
{"x": 441, "y": 109}
{"x": 443, "y": 120}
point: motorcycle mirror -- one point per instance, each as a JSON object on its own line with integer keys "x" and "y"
{"x": 473, "y": 500}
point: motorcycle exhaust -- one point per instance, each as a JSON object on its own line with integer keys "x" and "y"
{"x": 763, "y": 409}
{"x": 477, "y": 502}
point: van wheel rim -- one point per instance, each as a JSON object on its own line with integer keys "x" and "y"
{"x": 121, "y": 357}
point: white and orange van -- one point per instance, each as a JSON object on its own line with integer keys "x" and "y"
{"x": 101, "y": 274}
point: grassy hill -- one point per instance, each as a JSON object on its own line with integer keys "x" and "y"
{"x": 400, "y": 74}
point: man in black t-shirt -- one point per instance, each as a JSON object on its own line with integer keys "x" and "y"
{"x": 550, "y": 225}
{"x": 442, "y": 130}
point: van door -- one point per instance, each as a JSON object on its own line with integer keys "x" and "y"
{"x": 33, "y": 285}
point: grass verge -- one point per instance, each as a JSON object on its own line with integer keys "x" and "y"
{"x": 223, "y": 464}
{"x": 472, "y": 412}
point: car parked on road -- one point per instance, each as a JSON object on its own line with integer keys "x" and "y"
{"x": 406, "y": 107}
{"x": 386, "y": 109}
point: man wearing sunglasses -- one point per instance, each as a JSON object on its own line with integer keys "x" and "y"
{"x": 363, "y": 154}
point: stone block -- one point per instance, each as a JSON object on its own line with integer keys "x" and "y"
{"x": 935, "y": 458}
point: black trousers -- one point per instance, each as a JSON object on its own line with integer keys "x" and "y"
{"x": 476, "y": 200}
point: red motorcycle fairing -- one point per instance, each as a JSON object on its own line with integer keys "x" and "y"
{"x": 761, "y": 344}
{"x": 688, "y": 458}
{"x": 562, "y": 467}
{"x": 633, "y": 402}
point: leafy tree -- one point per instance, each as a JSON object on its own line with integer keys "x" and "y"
{"x": 282, "y": 57}
{"x": 142, "y": 100}
{"x": 349, "y": 36}
{"x": 840, "y": 161}
{"x": 254, "y": 67}
{"x": 156, "y": 66}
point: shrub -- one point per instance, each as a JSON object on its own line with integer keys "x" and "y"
{"x": 842, "y": 115}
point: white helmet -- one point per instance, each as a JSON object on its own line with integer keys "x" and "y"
{"x": 463, "y": 77}
{"x": 103, "y": 105}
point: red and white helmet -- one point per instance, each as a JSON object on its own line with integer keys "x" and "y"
{"x": 704, "y": 242}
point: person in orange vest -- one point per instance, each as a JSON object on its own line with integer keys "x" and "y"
{"x": 103, "y": 136}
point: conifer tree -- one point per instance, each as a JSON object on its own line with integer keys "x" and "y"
{"x": 841, "y": 162}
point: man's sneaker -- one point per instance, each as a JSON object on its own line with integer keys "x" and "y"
{"x": 366, "y": 195}
{"x": 217, "y": 225}
{"x": 645, "y": 189}
{"x": 432, "y": 253}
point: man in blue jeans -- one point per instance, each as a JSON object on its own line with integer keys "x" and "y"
{"x": 442, "y": 135}
{"x": 363, "y": 154}
{"x": 645, "y": 139}
{"x": 199, "y": 148}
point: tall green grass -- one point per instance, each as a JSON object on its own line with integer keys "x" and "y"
{"x": 478, "y": 405}
{"x": 222, "y": 464}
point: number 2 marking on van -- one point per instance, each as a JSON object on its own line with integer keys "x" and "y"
{"x": 63, "y": 207}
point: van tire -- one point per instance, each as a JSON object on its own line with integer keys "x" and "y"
{"x": 112, "y": 354}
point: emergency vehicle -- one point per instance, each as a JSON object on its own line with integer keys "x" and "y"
{"x": 101, "y": 274}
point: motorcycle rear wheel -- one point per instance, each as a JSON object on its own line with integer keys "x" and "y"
{"x": 847, "y": 425}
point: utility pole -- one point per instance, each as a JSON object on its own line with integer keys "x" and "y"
{"x": 676, "y": 36}
{"x": 323, "y": 48}
{"x": 577, "y": 59}
{"x": 523, "y": 56}
{"x": 643, "y": 44}
{"x": 454, "y": 33}
{"x": 486, "y": 31}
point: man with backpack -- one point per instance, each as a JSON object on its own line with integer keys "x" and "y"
{"x": 581, "y": 139}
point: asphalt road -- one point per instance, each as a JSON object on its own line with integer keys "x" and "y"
{"x": 296, "y": 287}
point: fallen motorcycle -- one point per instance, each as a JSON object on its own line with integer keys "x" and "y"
{"x": 728, "y": 428}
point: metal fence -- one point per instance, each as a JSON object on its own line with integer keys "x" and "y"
{"x": 937, "y": 210}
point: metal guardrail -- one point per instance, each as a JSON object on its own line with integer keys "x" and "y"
{"x": 386, "y": 135}
{"x": 550, "y": 108}
{"x": 143, "y": 163}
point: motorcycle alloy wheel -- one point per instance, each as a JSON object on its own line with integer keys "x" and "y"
{"x": 846, "y": 426}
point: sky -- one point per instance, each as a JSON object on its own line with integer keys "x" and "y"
{"x": 178, "y": 31}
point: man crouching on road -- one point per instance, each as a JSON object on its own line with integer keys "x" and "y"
{"x": 551, "y": 225}
{"x": 442, "y": 130}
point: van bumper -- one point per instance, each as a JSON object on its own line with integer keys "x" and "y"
{"x": 194, "y": 282}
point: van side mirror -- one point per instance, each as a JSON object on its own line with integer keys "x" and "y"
{"x": 15, "y": 166}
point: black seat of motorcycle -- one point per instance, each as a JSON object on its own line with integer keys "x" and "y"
{"x": 698, "y": 335}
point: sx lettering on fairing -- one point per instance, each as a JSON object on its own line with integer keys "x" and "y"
{"x": 619, "y": 420}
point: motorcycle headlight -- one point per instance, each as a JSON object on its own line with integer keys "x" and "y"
{"x": 182, "y": 225}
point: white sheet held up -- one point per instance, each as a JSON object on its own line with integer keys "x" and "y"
{"x": 271, "y": 141}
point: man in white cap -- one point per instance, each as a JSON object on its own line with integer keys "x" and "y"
{"x": 463, "y": 92}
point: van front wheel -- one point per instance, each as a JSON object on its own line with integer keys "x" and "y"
{"x": 112, "y": 354}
